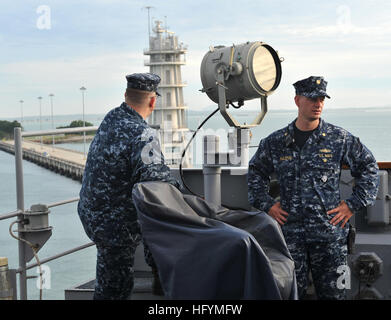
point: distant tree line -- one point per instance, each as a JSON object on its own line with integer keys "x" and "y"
{"x": 77, "y": 124}
{"x": 7, "y": 129}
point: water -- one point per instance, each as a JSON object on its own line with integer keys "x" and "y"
{"x": 44, "y": 186}
{"x": 372, "y": 126}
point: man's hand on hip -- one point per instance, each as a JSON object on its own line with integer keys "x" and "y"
{"x": 277, "y": 213}
{"x": 343, "y": 213}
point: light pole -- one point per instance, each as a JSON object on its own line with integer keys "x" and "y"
{"x": 21, "y": 112}
{"x": 51, "y": 104}
{"x": 40, "y": 116}
{"x": 149, "y": 22}
{"x": 84, "y": 123}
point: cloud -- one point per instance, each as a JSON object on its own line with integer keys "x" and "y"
{"x": 95, "y": 70}
{"x": 95, "y": 43}
{"x": 338, "y": 30}
{"x": 102, "y": 75}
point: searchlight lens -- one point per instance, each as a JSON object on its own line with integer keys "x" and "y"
{"x": 264, "y": 68}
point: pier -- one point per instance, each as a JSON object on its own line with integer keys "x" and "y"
{"x": 68, "y": 163}
{"x": 65, "y": 162}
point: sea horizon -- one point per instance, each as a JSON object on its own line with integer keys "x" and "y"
{"x": 211, "y": 108}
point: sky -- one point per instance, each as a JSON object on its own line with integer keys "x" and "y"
{"x": 57, "y": 46}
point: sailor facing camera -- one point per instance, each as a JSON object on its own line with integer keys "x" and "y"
{"x": 307, "y": 158}
{"x": 124, "y": 151}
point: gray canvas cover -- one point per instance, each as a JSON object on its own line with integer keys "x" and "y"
{"x": 204, "y": 251}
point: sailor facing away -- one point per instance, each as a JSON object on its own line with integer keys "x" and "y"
{"x": 124, "y": 151}
{"x": 307, "y": 158}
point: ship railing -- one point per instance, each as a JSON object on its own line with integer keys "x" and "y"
{"x": 20, "y": 212}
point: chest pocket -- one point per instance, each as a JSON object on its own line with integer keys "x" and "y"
{"x": 324, "y": 173}
{"x": 285, "y": 169}
{"x": 325, "y": 180}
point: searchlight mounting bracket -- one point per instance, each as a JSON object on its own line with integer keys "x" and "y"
{"x": 223, "y": 103}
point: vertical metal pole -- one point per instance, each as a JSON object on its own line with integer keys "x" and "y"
{"x": 21, "y": 112}
{"x": 84, "y": 123}
{"x": 211, "y": 170}
{"x": 20, "y": 206}
{"x": 84, "y": 133}
{"x": 51, "y": 104}
{"x": 40, "y": 116}
{"x": 242, "y": 146}
{"x": 149, "y": 24}
{"x": 212, "y": 184}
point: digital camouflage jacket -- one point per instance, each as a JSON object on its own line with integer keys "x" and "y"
{"x": 309, "y": 178}
{"x": 124, "y": 151}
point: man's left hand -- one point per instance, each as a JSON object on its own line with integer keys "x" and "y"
{"x": 343, "y": 213}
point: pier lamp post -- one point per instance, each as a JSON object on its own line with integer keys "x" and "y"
{"x": 40, "y": 116}
{"x": 21, "y": 112}
{"x": 51, "y": 104}
{"x": 84, "y": 123}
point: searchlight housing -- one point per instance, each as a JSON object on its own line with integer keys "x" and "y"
{"x": 239, "y": 73}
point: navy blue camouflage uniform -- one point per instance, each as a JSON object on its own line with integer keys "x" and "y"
{"x": 309, "y": 187}
{"x": 124, "y": 151}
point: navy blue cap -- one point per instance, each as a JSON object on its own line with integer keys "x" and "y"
{"x": 143, "y": 81}
{"x": 312, "y": 87}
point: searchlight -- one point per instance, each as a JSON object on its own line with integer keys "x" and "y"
{"x": 239, "y": 73}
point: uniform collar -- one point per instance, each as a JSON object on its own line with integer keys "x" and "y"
{"x": 129, "y": 110}
{"x": 319, "y": 133}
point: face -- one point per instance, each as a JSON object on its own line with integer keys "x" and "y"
{"x": 310, "y": 109}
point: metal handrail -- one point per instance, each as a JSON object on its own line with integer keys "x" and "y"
{"x": 62, "y": 254}
{"x": 20, "y": 211}
{"x": 9, "y": 215}
{"x": 51, "y": 205}
{"x": 55, "y": 204}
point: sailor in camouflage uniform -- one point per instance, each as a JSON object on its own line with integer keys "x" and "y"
{"x": 306, "y": 157}
{"x": 124, "y": 151}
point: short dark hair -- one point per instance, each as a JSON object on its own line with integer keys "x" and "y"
{"x": 137, "y": 96}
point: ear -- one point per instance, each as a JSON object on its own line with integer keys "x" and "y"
{"x": 297, "y": 98}
{"x": 152, "y": 103}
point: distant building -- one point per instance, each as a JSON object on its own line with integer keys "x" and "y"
{"x": 166, "y": 59}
